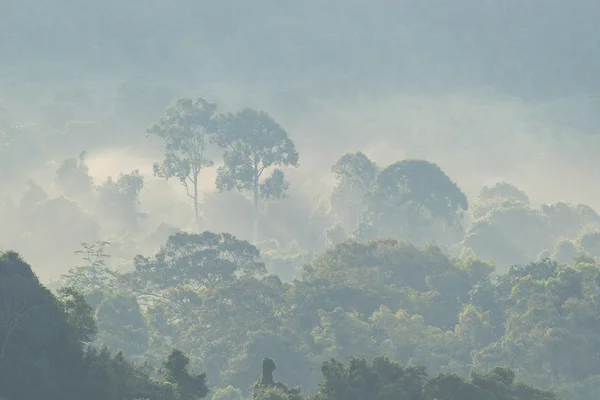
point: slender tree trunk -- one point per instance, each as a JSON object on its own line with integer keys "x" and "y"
{"x": 255, "y": 212}
{"x": 196, "y": 211}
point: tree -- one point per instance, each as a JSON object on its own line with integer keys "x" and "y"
{"x": 505, "y": 191}
{"x": 267, "y": 389}
{"x": 79, "y": 314}
{"x": 590, "y": 243}
{"x": 383, "y": 379}
{"x": 119, "y": 199}
{"x": 253, "y": 142}
{"x": 355, "y": 174}
{"x": 93, "y": 275}
{"x": 121, "y": 324}
{"x": 38, "y": 347}
{"x": 206, "y": 259}
{"x": 186, "y": 131}
{"x": 175, "y": 370}
{"x": 73, "y": 177}
{"x": 43, "y": 352}
{"x": 268, "y": 343}
{"x": 228, "y": 393}
{"x": 411, "y": 199}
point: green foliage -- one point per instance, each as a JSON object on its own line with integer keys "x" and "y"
{"x": 384, "y": 379}
{"x": 253, "y": 142}
{"x": 409, "y": 199}
{"x": 206, "y": 259}
{"x": 35, "y": 338}
{"x": 275, "y": 186}
{"x": 186, "y": 131}
{"x": 267, "y": 389}
{"x": 503, "y": 191}
{"x": 209, "y": 294}
{"x": 511, "y": 231}
{"x": 356, "y": 175}
{"x": 590, "y": 243}
{"x": 543, "y": 301}
{"x": 79, "y": 314}
{"x": 188, "y": 386}
{"x": 122, "y": 324}
{"x": 93, "y": 275}
{"x": 42, "y": 352}
{"x": 228, "y": 393}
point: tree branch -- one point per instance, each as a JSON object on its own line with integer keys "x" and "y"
{"x": 187, "y": 189}
{"x": 260, "y": 171}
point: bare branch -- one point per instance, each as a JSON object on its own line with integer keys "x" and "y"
{"x": 260, "y": 171}
{"x": 187, "y": 189}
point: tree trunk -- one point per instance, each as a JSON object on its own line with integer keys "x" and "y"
{"x": 196, "y": 211}
{"x": 255, "y": 212}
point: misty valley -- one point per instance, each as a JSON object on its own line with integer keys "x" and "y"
{"x": 273, "y": 200}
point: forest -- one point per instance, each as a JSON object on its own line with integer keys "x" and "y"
{"x": 310, "y": 201}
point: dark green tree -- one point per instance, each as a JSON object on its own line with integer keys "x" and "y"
{"x": 189, "y": 386}
{"x": 121, "y": 324}
{"x": 267, "y": 389}
{"x": 359, "y": 380}
{"x": 79, "y": 314}
{"x": 39, "y": 349}
{"x": 44, "y": 352}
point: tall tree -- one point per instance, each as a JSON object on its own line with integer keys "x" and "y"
{"x": 253, "y": 142}
{"x": 186, "y": 131}
{"x": 355, "y": 174}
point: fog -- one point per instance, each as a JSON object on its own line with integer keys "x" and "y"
{"x": 440, "y": 85}
{"x": 195, "y": 196}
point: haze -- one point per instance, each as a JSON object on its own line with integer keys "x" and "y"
{"x": 370, "y": 199}
{"x": 489, "y": 91}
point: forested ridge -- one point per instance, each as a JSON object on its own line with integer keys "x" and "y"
{"x": 390, "y": 296}
{"x": 320, "y": 200}
{"x": 49, "y": 350}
